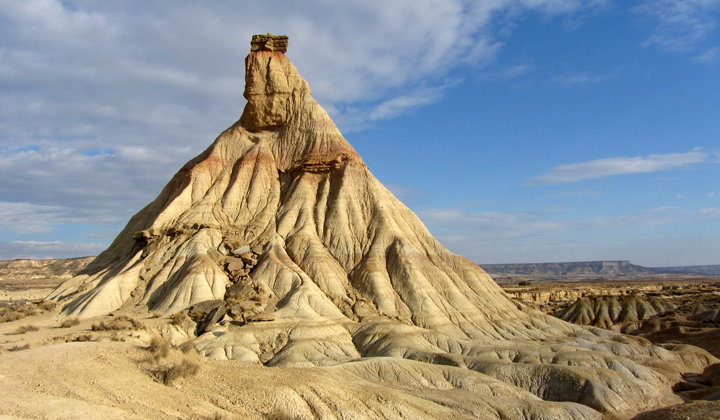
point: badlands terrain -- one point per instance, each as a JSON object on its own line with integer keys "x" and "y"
{"x": 276, "y": 277}
{"x": 53, "y": 371}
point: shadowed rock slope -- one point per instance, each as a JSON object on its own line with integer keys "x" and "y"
{"x": 280, "y": 221}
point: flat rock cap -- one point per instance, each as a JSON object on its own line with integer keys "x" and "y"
{"x": 269, "y": 42}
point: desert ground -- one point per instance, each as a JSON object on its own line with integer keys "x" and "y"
{"x": 117, "y": 367}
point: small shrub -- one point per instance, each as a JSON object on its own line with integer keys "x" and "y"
{"x": 26, "y": 346}
{"x": 69, "y": 322}
{"x": 47, "y": 305}
{"x": 122, "y": 322}
{"x": 83, "y": 338}
{"x": 169, "y": 374}
{"x": 23, "y": 329}
{"x": 9, "y": 315}
{"x": 159, "y": 347}
{"x": 182, "y": 320}
{"x": 13, "y": 311}
{"x": 524, "y": 283}
{"x": 102, "y": 326}
{"x": 156, "y": 315}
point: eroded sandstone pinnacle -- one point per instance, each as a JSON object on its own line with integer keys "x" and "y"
{"x": 280, "y": 221}
{"x": 269, "y": 42}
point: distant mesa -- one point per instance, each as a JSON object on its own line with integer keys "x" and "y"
{"x": 316, "y": 264}
{"x": 708, "y": 270}
{"x": 592, "y": 268}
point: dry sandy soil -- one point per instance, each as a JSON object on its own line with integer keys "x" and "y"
{"x": 76, "y": 372}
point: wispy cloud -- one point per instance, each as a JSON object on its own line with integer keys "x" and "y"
{"x": 153, "y": 84}
{"x": 543, "y": 236}
{"x": 408, "y": 195}
{"x": 506, "y": 73}
{"x": 26, "y": 218}
{"x": 523, "y": 224}
{"x": 401, "y": 104}
{"x": 582, "y": 78}
{"x": 601, "y": 168}
{"x": 681, "y": 24}
{"x": 54, "y": 249}
{"x": 120, "y": 181}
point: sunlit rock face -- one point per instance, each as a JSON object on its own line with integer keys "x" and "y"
{"x": 280, "y": 219}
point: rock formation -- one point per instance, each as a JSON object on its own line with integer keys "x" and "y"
{"x": 281, "y": 219}
{"x": 605, "y": 312}
{"x": 574, "y": 269}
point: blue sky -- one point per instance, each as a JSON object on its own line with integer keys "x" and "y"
{"x": 518, "y": 130}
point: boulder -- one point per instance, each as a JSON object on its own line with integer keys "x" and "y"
{"x": 212, "y": 318}
{"x": 200, "y": 311}
{"x": 241, "y": 250}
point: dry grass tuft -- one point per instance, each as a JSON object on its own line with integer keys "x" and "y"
{"x": 188, "y": 347}
{"x": 8, "y": 315}
{"x": 69, "y": 322}
{"x": 16, "y": 310}
{"x": 169, "y": 374}
{"x": 26, "y": 346}
{"x": 156, "y": 315}
{"x": 122, "y": 322}
{"x": 23, "y": 329}
{"x": 182, "y": 320}
{"x": 47, "y": 305}
{"x": 159, "y": 347}
{"x": 12, "y": 311}
{"x": 83, "y": 338}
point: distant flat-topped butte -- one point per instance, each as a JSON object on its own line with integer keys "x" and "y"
{"x": 320, "y": 267}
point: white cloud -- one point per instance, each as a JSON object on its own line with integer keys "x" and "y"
{"x": 507, "y": 73}
{"x": 665, "y": 208}
{"x": 618, "y": 166}
{"x": 25, "y": 218}
{"x": 100, "y": 102}
{"x": 121, "y": 180}
{"x": 681, "y": 24}
{"x": 712, "y": 194}
{"x": 401, "y": 104}
{"x": 710, "y": 55}
{"x": 681, "y": 196}
{"x": 582, "y": 78}
{"x": 502, "y": 226}
{"x": 55, "y": 249}
{"x": 505, "y": 237}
